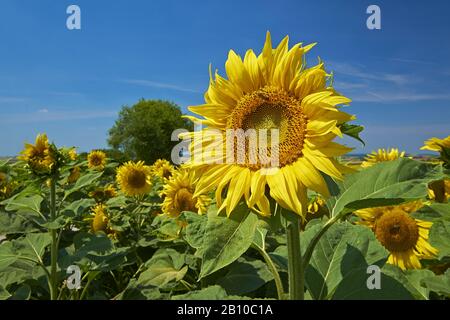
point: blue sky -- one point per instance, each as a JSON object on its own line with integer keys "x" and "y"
{"x": 71, "y": 84}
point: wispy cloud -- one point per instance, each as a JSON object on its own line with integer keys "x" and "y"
{"x": 361, "y": 73}
{"x": 413, "y": 61}
{"x": 342, "y": 85}
{"x": 386, "y": 97}
{"x": 161, "y": 85}
{"x": 44, "y": 115}
{"x": 7, "y": 99}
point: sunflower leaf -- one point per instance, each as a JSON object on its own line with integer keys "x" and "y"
{"x": 387, "y": 183}
{"x": 352, "y": 130}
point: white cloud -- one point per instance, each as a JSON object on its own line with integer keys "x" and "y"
{"x": 162, "y": 85}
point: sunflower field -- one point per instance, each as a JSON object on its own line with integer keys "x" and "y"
{"x": 315, "y": 226}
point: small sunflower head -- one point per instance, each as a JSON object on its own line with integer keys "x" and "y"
{"x": 179, "y": 195}
{"x": 163, "y": 169}
{"x": 100, "y": 219}
{"x": 102, "y": 195}
{"x": 7, "y": 189}
{"x": 74, "y": 174}
{"x": 134, "y": 178}
{"x": 439, "y": 145}
{"x": 96, "y": 160}
{"x": 3, "y": 178}
{"x": 41, "y": 157}
{"x": 382, "y": 155}
{"x": 73, "y": 154}
{"x": 439, "y": 191}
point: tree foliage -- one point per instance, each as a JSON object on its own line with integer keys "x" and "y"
{"x": 143, "y": 131}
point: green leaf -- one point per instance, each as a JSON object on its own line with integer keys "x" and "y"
{"x": 433, "y": 212}
{"x": 352, "y": 130}
{"x": 82, "y": 182}
{"x": 245, "y": 275}
{"x": 4, "y": 294}
{"x": 7, "y": 254}
{"x": 12, "y": 223}
{"x": 165, "y": 266}
{"x": 387, "y": 183}
{"x": 438, "y": 283}
{"x": 439, "y": 238}
{"x": 210, "y": 293}
{"x": 195, "y": 229}
{"x": 22, "y": 293}
{"x": 136, "y": 291}
{"x": 78, "y": 207}
{"x": 226, "y": 239}
{"x": 410, "y": 279}
{"x": 25, "y": 203}
{"x": 338, "y": 268}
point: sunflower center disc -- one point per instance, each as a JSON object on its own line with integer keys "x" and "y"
{"x": 137, "y": 179}
{"x": 397, "y": 231}
{"x": 184, "y": 200}
{"x": 266, "y": 109}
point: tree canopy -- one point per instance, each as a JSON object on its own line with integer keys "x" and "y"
{"x": 143, "y": 131}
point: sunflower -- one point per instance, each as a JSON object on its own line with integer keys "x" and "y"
{"x": 97, "y": 160}
{"x": 103, "y": 194}
{"x": 270, "y": 92}
{"x": 317, "y": 208}
{"x": 405, "y": 237}
{"x": 3, "y": 178}
{"x": 74, "y": 175}
{"x": 382, "y": 155}
{"x": 436, "y": 144}
{"x": 439, "y": 190}
{"x": 73, "y": 154}
{"x": 40, "y": 156}
{"x": 134, "y": 178}
{"x": 163, "y": 169}
{"x": 178, "y": 194}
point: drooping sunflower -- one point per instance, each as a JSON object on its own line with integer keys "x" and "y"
{"x": 100, "y": 218}
{"x": 439, "y": 191}
{"x": 436, "y": 144}
{"x": 41, "y": 156}
{"x": 382, "y": 155}
{"x": 178, "y": 194}
{"x": 134, "y": 178}
{"x": 97, "y": 160}
{"x": 269, "y": 92}
{"x": 74, "y": 174}
{"x": 163, "y": 169}
{"x": 405, "y": 237}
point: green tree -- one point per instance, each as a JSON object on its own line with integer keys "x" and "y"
{"x": 143, "y": 131}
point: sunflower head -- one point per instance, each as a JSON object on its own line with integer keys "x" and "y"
{"x": 41, "y": 156}
{"x": 382, "y": 155}
{"x": 439, "y": 145}
{"x": 134, "y": 179}
{"x": 73, "y": 154}
{"x": 405, "y": 237}
{"x": 162, "y": 169}
{"x": 271, "y": 112}
{"x": 100, "y": 218}
{"x": 74, "y": 174}
{"x": 96, "y": 160}
{"x": 179, "y": 195}
{"x": 439, "y": 191}
{"x": 7, "y": 189}
{"x": 102, "y": 195}
{"x": 3, "y": 178}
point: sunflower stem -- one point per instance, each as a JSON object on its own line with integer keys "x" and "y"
{"x": 295, "y": 264}
{"x": 54, "y": 245}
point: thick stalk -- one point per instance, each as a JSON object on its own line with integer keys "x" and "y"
{"x": 295, "y": 263}
{"x": 54, "y": 245}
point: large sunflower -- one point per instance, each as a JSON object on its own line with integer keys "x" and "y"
{"x": 40, "y": 156}
{"x": 271, "y": 91}
{"x": 134, "y": 178}
{"x": 178, "y": 194}
{"x": 405, "y": 237}
{"x": 96, "y": 160}
{"x": 382, "y": 155}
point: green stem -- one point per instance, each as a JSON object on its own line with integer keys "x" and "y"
{"x": 312, "y": 245}
{"x": 295, "y": 265}
{"x": 54, "y": 245}
{"x": 273, "y": 270}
